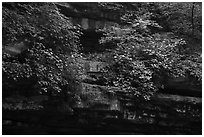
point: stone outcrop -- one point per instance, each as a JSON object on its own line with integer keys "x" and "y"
{"x": 177, "y": 86}
{"x": 15, "y": 48}
{"x": 88, "y": 15}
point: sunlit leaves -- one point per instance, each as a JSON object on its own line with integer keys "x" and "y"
{"x": 16, "y": 71}
{"x": 142, "y": 62}
{"x": 51, "y": 40}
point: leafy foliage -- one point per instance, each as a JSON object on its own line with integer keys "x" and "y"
{"x": 142, "y": 61}
{"x": 49, "y": 59}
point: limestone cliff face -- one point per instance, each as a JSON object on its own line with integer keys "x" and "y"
{"x": 91, "y": 17}
{"x": 88, "y": 15}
